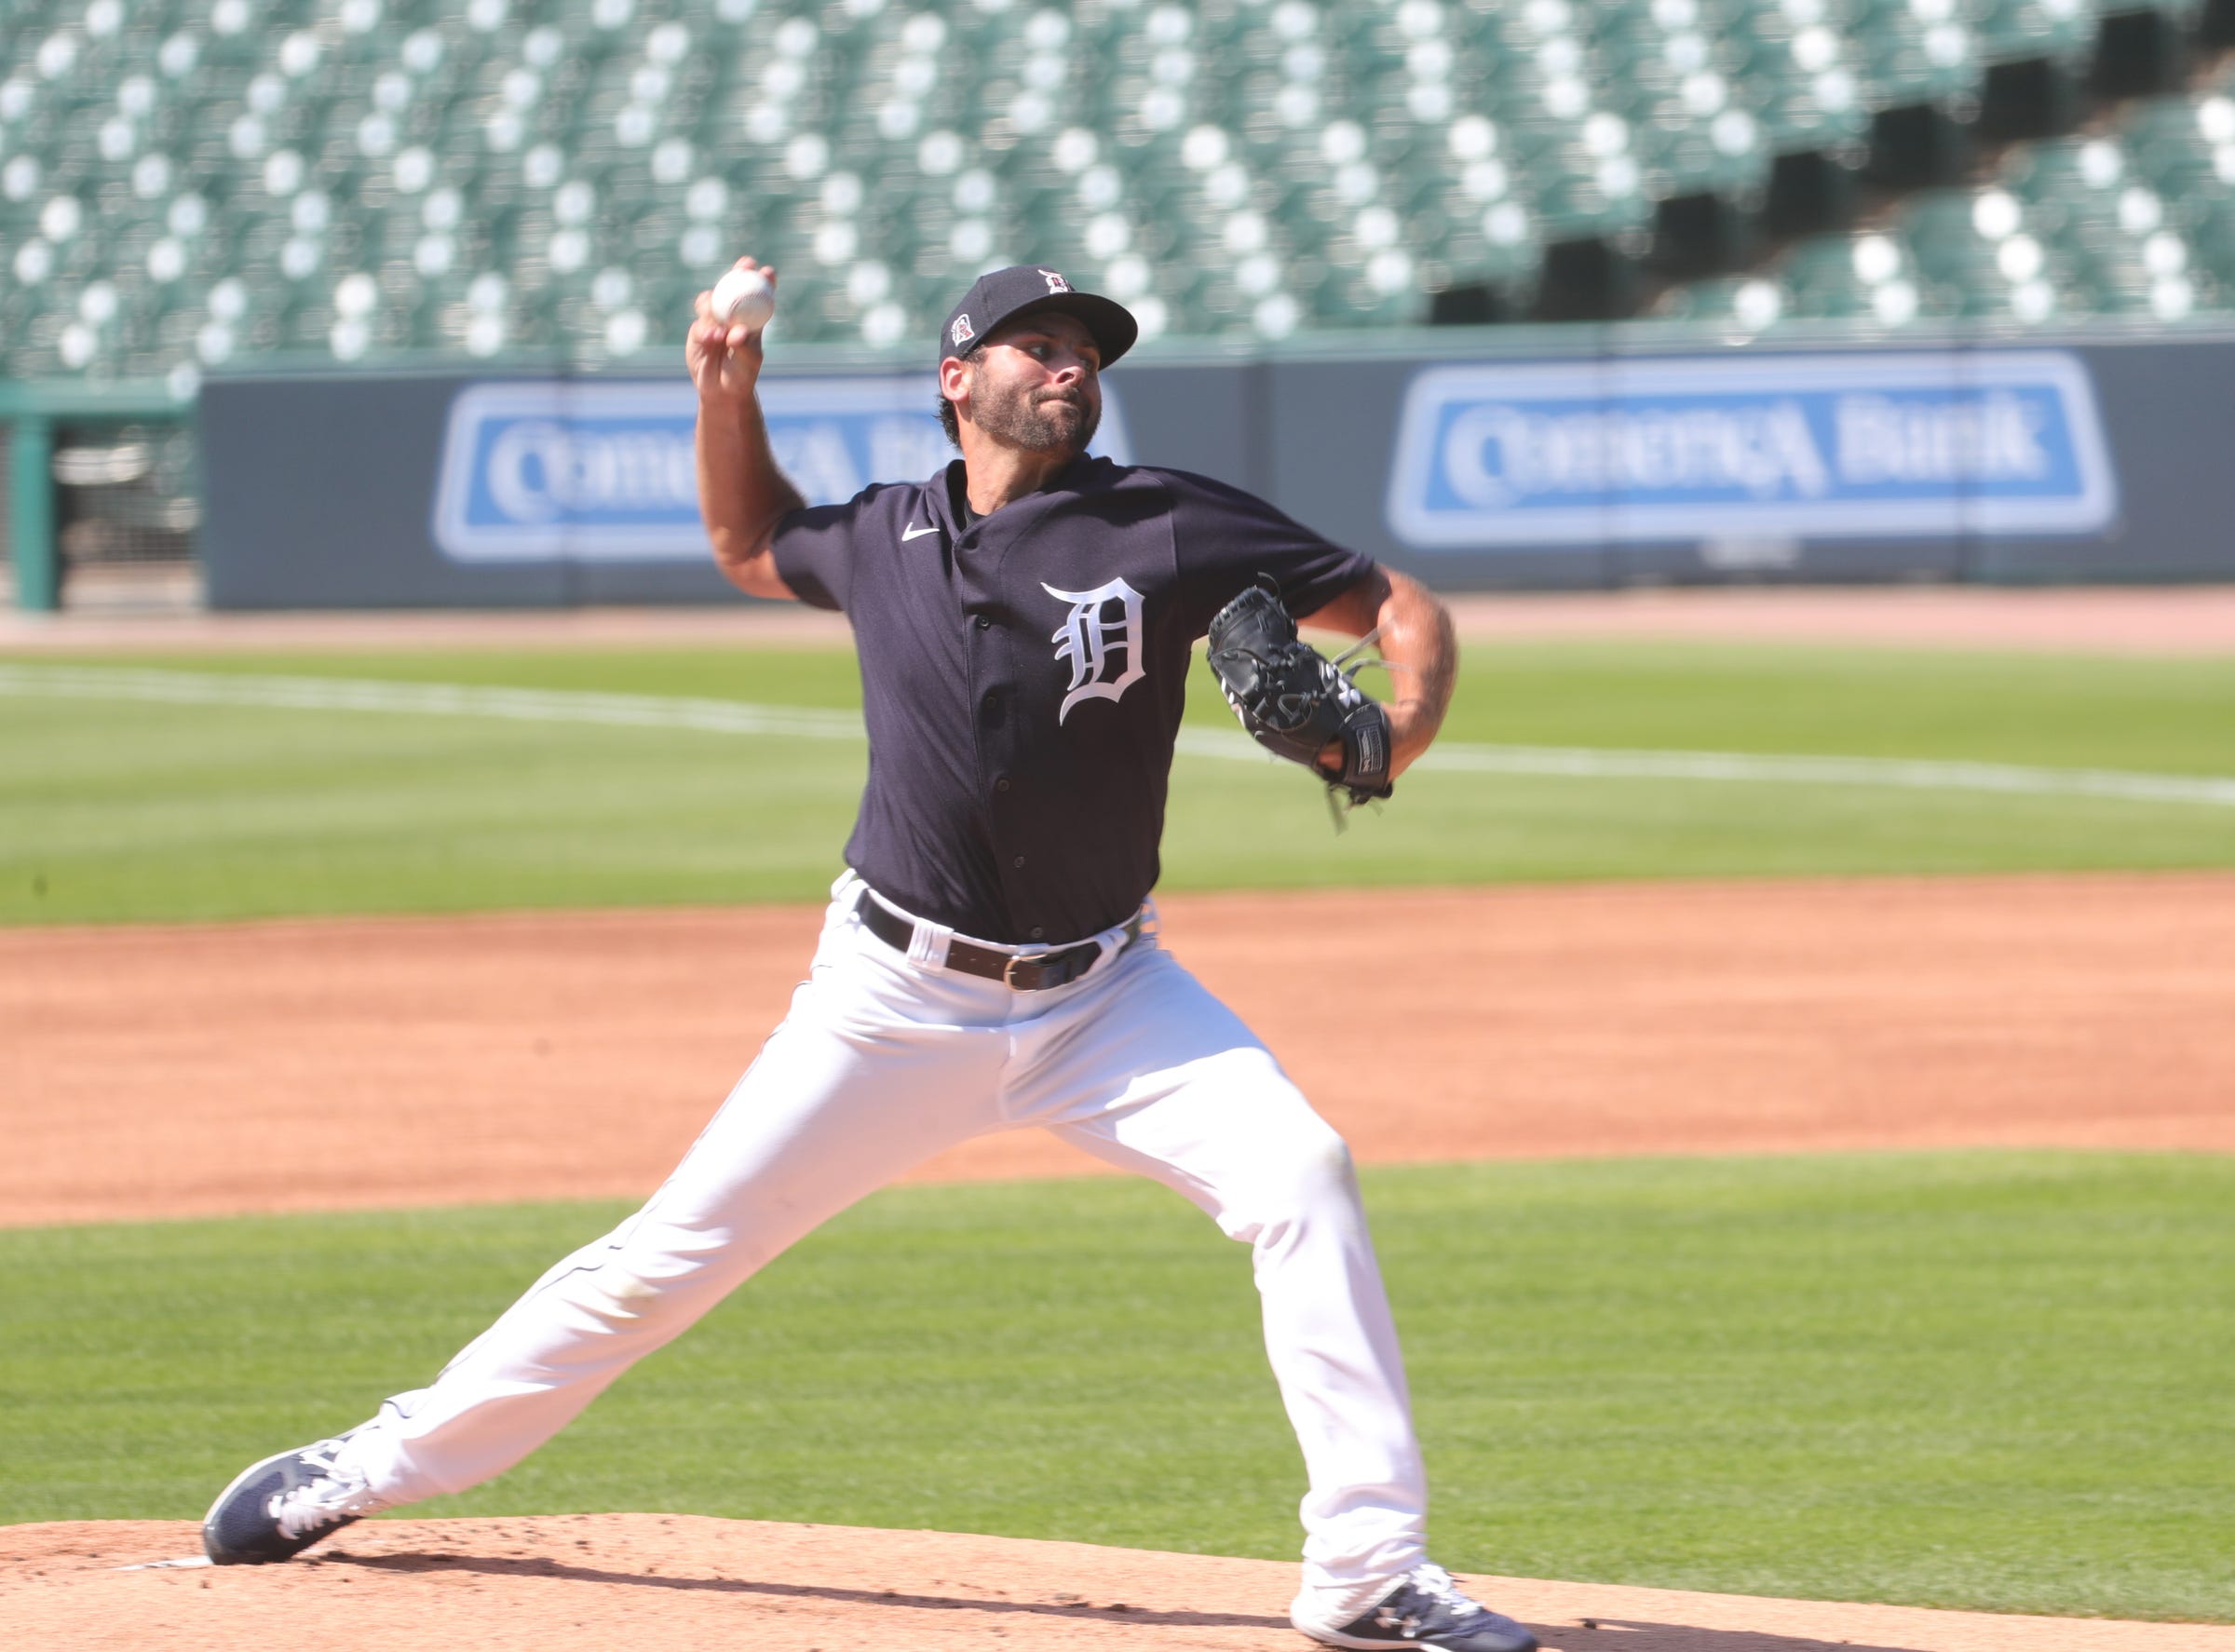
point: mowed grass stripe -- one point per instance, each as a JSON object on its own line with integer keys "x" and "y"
{"x": 2128, "y": 713}
{"x": 707, "y": 716}
{"x": 1981, "y": 1380}
{"x": 119, "y": 810}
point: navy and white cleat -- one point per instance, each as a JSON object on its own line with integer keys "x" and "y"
{"x": 1426, "y": 1609}
{"x": 281, "y": 1505}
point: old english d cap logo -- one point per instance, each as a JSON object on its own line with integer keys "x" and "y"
{"x": 1023, "y": 289}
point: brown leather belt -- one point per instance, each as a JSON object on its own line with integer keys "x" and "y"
{"x": 1032, "y": 972}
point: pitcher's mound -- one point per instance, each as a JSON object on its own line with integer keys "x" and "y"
{"x": 683, "y": 1583}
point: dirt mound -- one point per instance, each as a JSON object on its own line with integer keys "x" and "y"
{"x": 195, "y": 1070}
{"x": 656, "y": 1582}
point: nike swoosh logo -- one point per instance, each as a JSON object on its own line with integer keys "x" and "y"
{"x": 914, "y": 532}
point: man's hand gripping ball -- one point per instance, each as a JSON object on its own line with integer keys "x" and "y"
{"x": 1294, "y": 701}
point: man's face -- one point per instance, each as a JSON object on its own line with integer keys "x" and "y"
{"x": 1034, "y": 383}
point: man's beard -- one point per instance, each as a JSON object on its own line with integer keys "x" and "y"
{"x": 1038, "y": 427}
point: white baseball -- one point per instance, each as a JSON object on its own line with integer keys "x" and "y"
{"x": 744, "y": 298}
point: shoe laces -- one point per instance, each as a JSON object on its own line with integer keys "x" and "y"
{"x": 336, "y": 1494}
{"x": 1439, "y": 1585}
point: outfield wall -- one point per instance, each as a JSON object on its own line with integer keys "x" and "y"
{"x": 1562, "y": 460}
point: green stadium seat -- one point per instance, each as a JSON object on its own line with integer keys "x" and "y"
{"x": 2059, "y": 29}
{"x": 1918, "y": 51}
{"x": 2183, "y": 147}
{"x": 1749, "y": 303}
{"x": 1871, "y": 279}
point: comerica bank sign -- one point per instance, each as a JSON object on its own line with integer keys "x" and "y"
{"x": 593, "y": 470}
{"x": 1830, "y": 446}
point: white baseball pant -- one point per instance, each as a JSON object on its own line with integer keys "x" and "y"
{"x": 884, "y": 1060}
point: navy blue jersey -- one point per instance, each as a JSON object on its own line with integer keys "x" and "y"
{"x": 1022, "y": 675}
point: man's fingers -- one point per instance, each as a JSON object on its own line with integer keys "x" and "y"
{"x": 713, "y": 335}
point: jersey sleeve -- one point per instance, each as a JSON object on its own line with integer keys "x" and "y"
{"x": 815, "y": 553}
{"x": 1225, "y": 537}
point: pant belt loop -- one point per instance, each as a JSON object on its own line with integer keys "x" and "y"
{"x": 928, "y": 944}
{"x": 926, "y": 941}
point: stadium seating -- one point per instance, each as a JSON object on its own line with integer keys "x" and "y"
{"x": 2134, "y": 222}
{"x": 189, "y": 182}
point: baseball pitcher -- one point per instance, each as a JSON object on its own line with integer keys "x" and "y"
{"x": 989, "y": 960}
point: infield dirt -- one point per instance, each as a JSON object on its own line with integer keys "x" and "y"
{"x": 200, "y": 1070}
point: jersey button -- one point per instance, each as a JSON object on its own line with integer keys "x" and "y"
{"x": 1018, "y": 863}
{"x": 1038, "y": 932}
{"x": 983, "y": 622}
{"x": 1002, "y": 784}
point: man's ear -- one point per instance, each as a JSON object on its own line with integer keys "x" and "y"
{"x": 953, "y": 382}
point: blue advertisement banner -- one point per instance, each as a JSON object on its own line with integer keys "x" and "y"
{"x": 605, "y": 471}
{"x": 1833, "y": 446}
{"x": 1658, "y": 459}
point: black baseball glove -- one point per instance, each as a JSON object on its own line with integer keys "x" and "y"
{"x": 1293, "y": 699}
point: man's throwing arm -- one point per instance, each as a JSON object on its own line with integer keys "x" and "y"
{"x": 742, "y": 495}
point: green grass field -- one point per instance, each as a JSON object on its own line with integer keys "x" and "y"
{"x": 1990, "y": 1380}
{"x": 1984, "y": 1380}
{"x": 115, "y": 809}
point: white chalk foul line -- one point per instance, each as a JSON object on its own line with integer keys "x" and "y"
{"x": 1917, "y": 775}
{"x": 439, "y": 699}
{"x": 734, "y": 717}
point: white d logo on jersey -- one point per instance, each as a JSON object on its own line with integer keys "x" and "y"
{"x": 1090, "y": 634}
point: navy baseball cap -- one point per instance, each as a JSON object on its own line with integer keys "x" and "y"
{"x": 1002, "y": 295}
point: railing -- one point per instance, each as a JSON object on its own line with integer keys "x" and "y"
{"x": 110, "y": 438}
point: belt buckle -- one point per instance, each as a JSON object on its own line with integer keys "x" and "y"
{"x": 1008, "y": 972}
